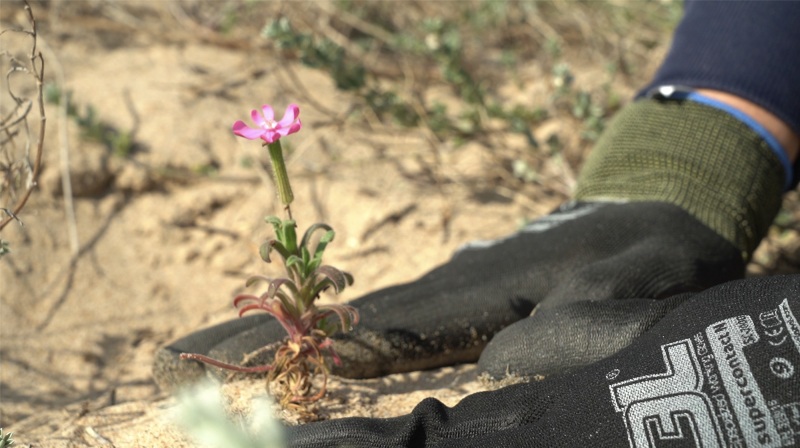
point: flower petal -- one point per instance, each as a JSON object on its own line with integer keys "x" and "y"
{"x": 290, "y": 130}
{"x": 295, "y": 127}
{"x": 242, "y": 130}
{"x": 258, "y": 119}
{"x": 270, "y": 135}
{"x": 269, "y": 114}
{"x": 289, "y": 116}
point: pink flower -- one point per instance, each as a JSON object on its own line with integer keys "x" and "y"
{"x": 269, "y": 129}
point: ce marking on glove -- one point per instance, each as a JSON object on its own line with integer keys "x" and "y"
{"x": 774, "y": 334}
{"x": 773, "y": 327}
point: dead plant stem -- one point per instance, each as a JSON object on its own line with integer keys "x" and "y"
{"x": 63, "y": 153}
{"x": 39, "y": 77}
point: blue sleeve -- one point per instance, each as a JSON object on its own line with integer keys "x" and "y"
{"x": 748, "y": 48}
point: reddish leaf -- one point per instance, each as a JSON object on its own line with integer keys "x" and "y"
{"x": 241, "y": 297}
{"x": 224, "y": 365}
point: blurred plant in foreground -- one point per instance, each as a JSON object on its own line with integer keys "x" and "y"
{"x": 5, "y": 440}
{"x": 291, "y": 300}
{"x": 200, "y": 412}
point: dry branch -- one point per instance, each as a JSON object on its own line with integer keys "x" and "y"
{"x": 38, "y": 74}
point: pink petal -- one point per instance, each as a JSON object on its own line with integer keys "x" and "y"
{"x": 269, "y": 114}
{"x": 289, "y": 116}
{"x": 242, "y": 130}
{"x": 295, "y": 127}
{"x": 290, "y": 130}
{"x": 258, "y": 119}
{"x": 270, "y": 136}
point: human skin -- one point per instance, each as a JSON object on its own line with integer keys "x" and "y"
{"x": 779, "y": 129}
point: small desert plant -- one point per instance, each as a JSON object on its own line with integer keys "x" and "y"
{"x": 4, "y": 248}
{"x": 291, "y": 300}
{"x": 119, "y": 143}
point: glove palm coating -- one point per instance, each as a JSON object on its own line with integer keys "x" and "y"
{"x": 721, "y": 369}
{"x": 583, "y": 251}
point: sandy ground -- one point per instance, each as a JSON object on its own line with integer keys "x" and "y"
{"x": 163, "y": 248}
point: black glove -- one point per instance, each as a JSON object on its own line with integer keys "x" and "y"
{"x": 709, "y": 209}
{"x": 589, "y": 251}
{"x": 721, "y": 369}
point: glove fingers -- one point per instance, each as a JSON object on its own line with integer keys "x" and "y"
{"x": 666, "y": 252}
{"x": 560, "y": 339}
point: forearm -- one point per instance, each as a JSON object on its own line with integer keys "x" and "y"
{"x": 787, "y": 137}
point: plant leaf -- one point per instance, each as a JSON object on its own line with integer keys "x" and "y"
{"x": 252, "y": 307}
{"x": 265, "y": 249}
{"x": 319, "y": 287}
{"x": 271, "y": 245}
{"x": 339, "y": 281}
{"x": 347, "y": 315}
{"x": 311, "y": 230}
{"x": 253, "y": 279}
{"x": 288, "y": 304}
{"x": 277, "y": 283}
{"x": 349, "y": 278}
{"x": 281, "y": 249}
{"x": 306, "y": 258}
{"x": 295, "y": 260}
{"x": 313, "y": 265}
{"x": 276, "y": 224}
{"x": 241, "y": 297}
{"x": 290, "y": 235}
{"x": 323, "y": 242}
{"x": 336, "y": 359}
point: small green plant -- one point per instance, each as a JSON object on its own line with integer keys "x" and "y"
{"x": 291, "y": 300}
{"x": 437, "y": 41}
{"x": 4, "y": 248}
{"x": 591, "y": 113}
{"x": 5, "y": 440}
{"x": 119, "y": 143}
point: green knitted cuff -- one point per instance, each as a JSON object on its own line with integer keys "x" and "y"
{"x": 695, "y": 156}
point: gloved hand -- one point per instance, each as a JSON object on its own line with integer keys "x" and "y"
{"x": 701, "y": 190}
{"x": 721, "y": 369}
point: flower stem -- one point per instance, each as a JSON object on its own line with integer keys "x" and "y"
{"x": 281, "y": 177}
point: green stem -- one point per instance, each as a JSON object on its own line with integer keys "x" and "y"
{"x": 281, "y": 177}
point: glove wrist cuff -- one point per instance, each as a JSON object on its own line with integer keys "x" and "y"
{"x": 696, "y": 156}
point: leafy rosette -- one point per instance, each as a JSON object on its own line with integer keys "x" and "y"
{"x": 291, "y": 300}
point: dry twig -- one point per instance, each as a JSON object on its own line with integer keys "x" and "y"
{"x": 20, "y": 115}
{"x": 63, "y": 152}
